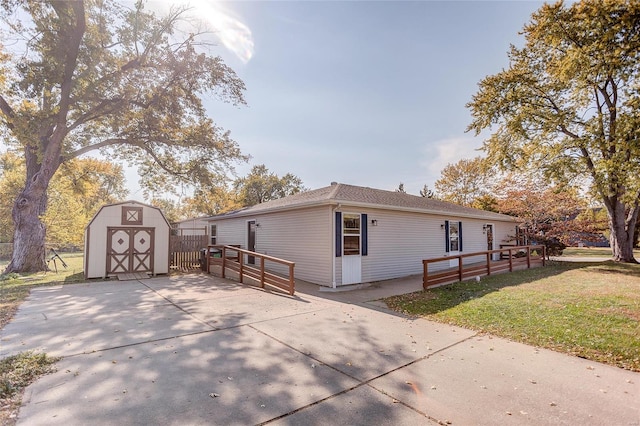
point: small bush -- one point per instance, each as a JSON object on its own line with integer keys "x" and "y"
{"x": 9, "y": 276}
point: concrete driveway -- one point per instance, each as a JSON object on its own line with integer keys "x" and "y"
{"x": 197, "y": 349}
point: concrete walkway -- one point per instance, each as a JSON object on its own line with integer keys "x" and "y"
{"x": 201, "y": 350}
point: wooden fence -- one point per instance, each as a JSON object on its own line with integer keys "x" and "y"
{"x": 481, "y": 264}
{"x": 224, "y": 259}
{"x": 185, "y": 251}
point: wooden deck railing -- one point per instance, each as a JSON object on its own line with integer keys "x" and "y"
{"x": 233, "y": 259}
{"x": 511, "y": 258}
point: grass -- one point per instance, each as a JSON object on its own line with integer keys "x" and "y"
{"x": 591, "y": 310}
{"x": 19, "y": 371}
{"x": 591, "y": 252}
{"x": 14, "y": 288}
{"x": 16, "y": 373}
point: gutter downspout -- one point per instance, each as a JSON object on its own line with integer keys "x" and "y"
{"x": 333, "y": 249}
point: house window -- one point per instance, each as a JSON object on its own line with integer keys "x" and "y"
{"x": 351, "y": 234}
{"x": 213, "y": 234}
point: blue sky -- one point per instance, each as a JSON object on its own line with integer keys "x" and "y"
{"x": 361, "y": 92}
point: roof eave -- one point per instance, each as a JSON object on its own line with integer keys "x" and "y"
{"x": 334, "y": 202}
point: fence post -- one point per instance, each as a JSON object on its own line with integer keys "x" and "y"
{"x": 460, "y": 268}
{"x": 488, "y": 263}
{"x": 208, "y": 256}
{"x": 510, "y": 261}
{"x": 241, "y": 256}
{"x": 224, "y": 261}
{"x": 292, "y": 282}
{"x": 425, "y": 274}
{"x": 261, "y": 272}
{"x": 528, "y": 257}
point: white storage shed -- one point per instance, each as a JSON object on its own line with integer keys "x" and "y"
{"x": 126, "y": 238}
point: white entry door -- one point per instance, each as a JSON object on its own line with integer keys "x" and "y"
{"x": 453, "y": 236}
{"x": 351, "y": 249}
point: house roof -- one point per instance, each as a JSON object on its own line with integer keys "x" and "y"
{"x": 358, "y": 196}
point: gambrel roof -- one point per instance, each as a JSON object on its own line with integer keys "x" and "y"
{"x": 364, "y": 197}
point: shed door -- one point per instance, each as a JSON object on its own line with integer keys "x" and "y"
{"x": 130, "y": 250}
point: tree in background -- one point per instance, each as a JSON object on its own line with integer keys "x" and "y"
{"x": 210, "y": 202}
{"x": 76, "y": 192}
{"x": 467, "y": 182}
{"x": 261, "y": 185}
{"x": 568, "y": 106}
{"x": 11, "y": 182}
{"x": 110, "y": 78}
{"x": 548, "y": 213}
{"x": 425, "y": 192}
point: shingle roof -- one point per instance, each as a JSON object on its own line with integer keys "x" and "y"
{"x": 341, "y": 193}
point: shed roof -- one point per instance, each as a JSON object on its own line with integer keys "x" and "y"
{"x": 130, "y": 202}
{"x": 359, "y": 196}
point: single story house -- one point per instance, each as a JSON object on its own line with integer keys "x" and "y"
{"x": 344, "y": 234}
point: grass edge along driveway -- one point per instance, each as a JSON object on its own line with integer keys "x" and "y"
{"x": 590, "y": 310}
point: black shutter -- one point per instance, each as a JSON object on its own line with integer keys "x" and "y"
{"x": 446, "y": 236}
{"x": 338, "y": 234}
{"x": 460, "y": 235}
{"x": 364, "y": 223}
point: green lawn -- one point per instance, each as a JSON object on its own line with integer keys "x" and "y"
{"x": 591, "y": 252}
{"x": 588, "y": 310}
{"x": 14, "y": 288}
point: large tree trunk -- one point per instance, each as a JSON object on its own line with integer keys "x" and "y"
{"x": 29, "y": 235}
{"x": 622, "y": 224}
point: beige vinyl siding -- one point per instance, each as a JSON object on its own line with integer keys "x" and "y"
{"x": 231, "y": 232}
{"x": 198, "y": 226}
{"x": 396, "y": 246}
{"x": 400, "y": 241}
{"x": 302, "y": 236}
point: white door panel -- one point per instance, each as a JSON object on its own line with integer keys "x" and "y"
{"x": 351, "y": 269}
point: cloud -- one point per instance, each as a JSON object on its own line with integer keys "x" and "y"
{"x": 436, "y": 155}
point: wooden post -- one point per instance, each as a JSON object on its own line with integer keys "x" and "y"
{"x": 459, "y": 268}
{"x": 241, "y": 267}
{"x": 544, "y": 255}
{"x": 425, "y": 274}
{"x": 261, "y": 272}
{"x": 224, "y": 261}
{"x": 528, "y": 257}
{"x": 292, "y": 282}
{"x": 510, "y": 261}
{"x": 208, "y": 255}
{"x": 489, "y": 263}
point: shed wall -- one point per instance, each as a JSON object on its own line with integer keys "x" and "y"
{"x": 95, "y": 252}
